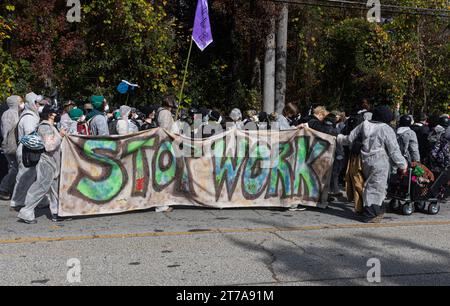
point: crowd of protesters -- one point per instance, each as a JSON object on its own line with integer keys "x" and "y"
{"x": 371, "y": 142}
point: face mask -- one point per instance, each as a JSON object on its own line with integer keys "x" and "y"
{"x": 82, "y": 118}
{"x": 21, "y": 106}
{"x": 136, "y": 117}
{"x": 106, "y": 108}
{"x": 57, "y": 118}
{"x": 40, "y": 109}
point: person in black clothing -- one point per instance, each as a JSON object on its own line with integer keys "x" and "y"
{"x": 150, "y": 115}
{"x": 323, "y": 122}
{"x": 422, "y": 131}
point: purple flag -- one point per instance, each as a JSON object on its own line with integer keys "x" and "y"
{"x": 202, "y": 28}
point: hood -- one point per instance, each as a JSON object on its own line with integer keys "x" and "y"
{"x": 30, "y": 103}
{"x": 13, "y": 102}
{"x": 402, "y": 130}
{"x": 236, "y": 114}
{"x": 125, "y": 112}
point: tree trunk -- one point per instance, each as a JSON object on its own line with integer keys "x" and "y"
{"x": 269, "y": 71}
{"x": 282, "y": 38}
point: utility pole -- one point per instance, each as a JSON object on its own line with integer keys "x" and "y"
{"x": 269, "y": 70}
{"x": 282, "y": 38}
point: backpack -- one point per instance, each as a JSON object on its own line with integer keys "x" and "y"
{"x": 32, "y": 149}
{"x": 440, "y": 153}
{"x": 9, "y": 145}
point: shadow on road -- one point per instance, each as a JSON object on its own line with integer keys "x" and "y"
{"x": 343, "y": 259}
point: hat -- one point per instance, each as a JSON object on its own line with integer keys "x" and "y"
{"x": 75, "y": 113}
{"x": 97, "y": 101}
{"x": 116, "y": 114}
{"x": 405, "y": 121}
{"x": 383, "y": 114}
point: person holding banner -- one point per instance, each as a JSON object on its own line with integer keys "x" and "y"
{"x": 28, "y": 122}
{"x": 47, "y": 169}
{"x": 379, "y": 148}
{"x": 164, "y": 114}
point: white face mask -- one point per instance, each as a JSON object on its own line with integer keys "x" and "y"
{"x": 136, "y": 117}
{"x": 106, "y": 107}
{"x": 40, "y": 109}
{"x": 82, "y": 118}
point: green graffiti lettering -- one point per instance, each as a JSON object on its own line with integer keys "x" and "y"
{"x": 255, "y": 176}
{"x": 113, "y": 178}
{"x": 226, "y": 168}
{"x": 282, "y": 170}
{"x": 164, "y": 166}
{"x": 303, "y": 167}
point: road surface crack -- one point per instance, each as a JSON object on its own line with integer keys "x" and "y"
{"x": 269, "y": 264}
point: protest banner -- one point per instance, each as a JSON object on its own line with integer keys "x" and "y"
{"x": 104, "y": 175}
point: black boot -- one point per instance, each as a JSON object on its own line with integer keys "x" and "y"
{"x": 373, "y": 214}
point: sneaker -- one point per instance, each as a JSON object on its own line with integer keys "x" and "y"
{"x": 5, "y": 196}
{"x": 27, "y": 221}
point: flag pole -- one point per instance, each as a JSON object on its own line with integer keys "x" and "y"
{"x": 180, "y": 98}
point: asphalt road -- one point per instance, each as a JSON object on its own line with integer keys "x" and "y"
{"x": 226, "y": 247}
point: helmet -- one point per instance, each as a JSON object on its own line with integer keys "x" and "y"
{"x": 33, "y": 141}
{"x": 444, "y": 121}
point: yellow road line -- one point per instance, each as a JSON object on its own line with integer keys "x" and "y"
{"x": 223, "y": 231}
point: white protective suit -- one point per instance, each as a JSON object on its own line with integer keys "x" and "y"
{"x": 123, "y": 125}
{"x": 65, "y": 122}
{"x": 380, "y": 147}
{"x": 409, "y": 145}
{"x": 9, "y": 123}
{"x": 47, "y": 169}
{"x": 28, "y": 123}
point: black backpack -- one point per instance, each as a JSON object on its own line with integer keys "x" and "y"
{"x": 30, "y": 158}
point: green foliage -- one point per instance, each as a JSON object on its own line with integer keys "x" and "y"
{"x": 130, "y": 40}
{"x": 335, "y": 57}
{"x": 340, "y": 60}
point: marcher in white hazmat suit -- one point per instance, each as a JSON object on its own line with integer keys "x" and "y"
{"x": 47, "y": 169}
{"x": 28, "y": 123}
{"x": 407, "y": 140}
{"x": 123, "y": 125}
{"x": 379, "y": 148}
{"x": 10, "y": 118}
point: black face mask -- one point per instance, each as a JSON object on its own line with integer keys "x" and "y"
{"x": 57, "y": 118}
